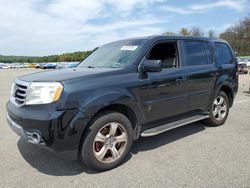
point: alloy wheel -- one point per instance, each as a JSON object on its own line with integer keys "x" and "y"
{"x": 219, "y": 108}
{"x": 110, "y": 142}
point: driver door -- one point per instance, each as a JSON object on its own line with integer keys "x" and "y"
{"x": 164, "y": 94}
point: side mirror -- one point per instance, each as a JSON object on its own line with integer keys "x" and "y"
{"x": 152, "y": 65}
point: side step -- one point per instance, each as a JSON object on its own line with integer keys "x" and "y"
{"x": 160, "y": 129}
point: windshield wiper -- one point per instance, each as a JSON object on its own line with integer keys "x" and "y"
{"x": 91, "y": 67}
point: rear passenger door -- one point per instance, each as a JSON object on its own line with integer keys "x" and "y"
{"x": 202, "y": 74}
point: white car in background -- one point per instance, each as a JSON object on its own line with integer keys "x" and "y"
{"x": 248, "y": 62}
{"x": 5, "y": 66}
{"x": 25, "y": 65}
{"x": 16, "y": 66}
{"x": 245, "y": 61}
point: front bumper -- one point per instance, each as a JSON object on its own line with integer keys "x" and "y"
{"x": 33, "y": 137}
{"x": 45, "y": 125}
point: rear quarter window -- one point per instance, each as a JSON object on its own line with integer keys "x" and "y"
{"x": 223, "y": 54}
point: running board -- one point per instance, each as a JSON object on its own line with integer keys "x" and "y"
{"x": 160, "y": 129}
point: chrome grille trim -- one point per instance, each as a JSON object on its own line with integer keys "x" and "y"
{"x": 20, "y": 92}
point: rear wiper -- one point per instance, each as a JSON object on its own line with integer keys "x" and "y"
{"x": 91, "y": 67}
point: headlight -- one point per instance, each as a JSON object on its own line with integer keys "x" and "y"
{"x": 43, "y": 92}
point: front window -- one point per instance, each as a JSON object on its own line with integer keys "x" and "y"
{"x": 113, "y": 55}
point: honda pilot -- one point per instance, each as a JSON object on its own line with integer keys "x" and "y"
{"x": 125, "y": 90}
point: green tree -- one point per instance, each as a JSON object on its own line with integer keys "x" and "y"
{"x": 184, "y": 31}
{"x": 239, "y": 36}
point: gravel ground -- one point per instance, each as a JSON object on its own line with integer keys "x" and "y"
{"x": 189, "y": 156}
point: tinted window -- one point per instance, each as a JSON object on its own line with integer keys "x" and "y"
{"x": 197, "y": 53}
{"x": 223, "y": 54}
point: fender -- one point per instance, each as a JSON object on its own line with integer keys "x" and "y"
{"x": 107, "y": 98}
{"x": 223, "y": 80}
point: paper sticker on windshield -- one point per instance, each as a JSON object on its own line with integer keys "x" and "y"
{"x": 129, "y": 48}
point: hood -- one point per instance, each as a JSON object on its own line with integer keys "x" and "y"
{"x": 64, "y": 74}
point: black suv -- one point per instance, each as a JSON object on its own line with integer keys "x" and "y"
{"x": 125, "y": 90}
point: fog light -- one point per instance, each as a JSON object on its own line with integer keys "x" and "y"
{"x": 36, "y": 138}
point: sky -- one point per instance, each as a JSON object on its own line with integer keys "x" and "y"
{"x": 46, "y": 27}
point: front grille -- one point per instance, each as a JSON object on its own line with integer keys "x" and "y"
{"x": 20, "y": 93}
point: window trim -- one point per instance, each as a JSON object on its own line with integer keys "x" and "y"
{"x": 211, "y": 52}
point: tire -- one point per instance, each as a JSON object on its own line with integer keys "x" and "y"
{"x": 219, "y": 110}
{"x": 107, "y": 142}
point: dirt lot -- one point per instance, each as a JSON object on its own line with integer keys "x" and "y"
{"x": 190, "y": 156}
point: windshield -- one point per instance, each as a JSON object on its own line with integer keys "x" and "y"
{"x": 113, "y": 55}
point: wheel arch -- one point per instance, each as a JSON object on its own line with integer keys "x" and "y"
{"x": 229, "y": 92}
{"x": 114, "y": 102}
{"x": 120, "y": 108}
{"x": 226, "y": 88}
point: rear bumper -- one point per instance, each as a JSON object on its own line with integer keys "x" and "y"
{"x": 44, "y": 125}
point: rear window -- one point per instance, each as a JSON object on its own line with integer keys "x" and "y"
{"x": 197, "y": 53}
{"x": 223, "y": 54}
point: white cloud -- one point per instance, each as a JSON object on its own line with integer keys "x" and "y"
{"x": 201, "y": 8}
{"x": 232, "y": 4}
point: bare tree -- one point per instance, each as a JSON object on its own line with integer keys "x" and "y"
{"x": 211, "y": 33}
{"x": 196, "y": 31}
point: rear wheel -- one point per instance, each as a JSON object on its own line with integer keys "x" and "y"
{"x": 219, "y": 110}
{"x": 107, "y": 142}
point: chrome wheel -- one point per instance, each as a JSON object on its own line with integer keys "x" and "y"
{"x": 219, "y": 108}
{"x": 110, "y": 142}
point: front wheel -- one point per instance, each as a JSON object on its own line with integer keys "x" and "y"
{"x": 219, "y": 110}
{"x": 108, "y": 141}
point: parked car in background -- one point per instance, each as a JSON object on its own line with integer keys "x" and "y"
{"x": 62, "y": 65}
{"x": 242, "y": 68}
{"x": 49, "y": 66}
{"x": 26, "y": 65}
{"x": 5, "y": 66}
{"x": 17, "y": 65}
{"x": 31, "y": 65}
{"x": 38, "y": 66}
{"x": 72, "y": 65}
{"x": 244, "y": 60}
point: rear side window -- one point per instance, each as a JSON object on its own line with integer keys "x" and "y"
{"x": 223, "y": 54}
{"x": 197, "y": 53}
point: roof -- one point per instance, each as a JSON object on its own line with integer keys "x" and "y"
{"x": 174, "y": 37}
{"x": 181, "y": 37}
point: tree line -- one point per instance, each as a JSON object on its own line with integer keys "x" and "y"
{"x": 66, "y": 57}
